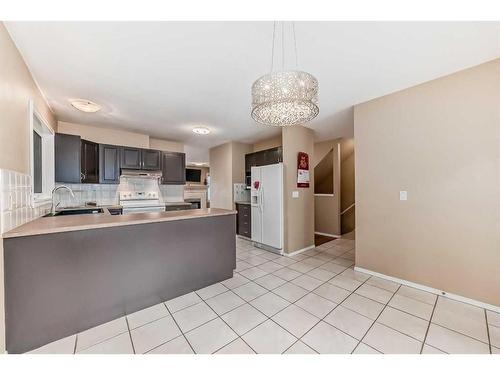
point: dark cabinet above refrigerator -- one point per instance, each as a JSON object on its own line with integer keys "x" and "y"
{"x": 261, "y": 158}
{"x": 264, "y": 157}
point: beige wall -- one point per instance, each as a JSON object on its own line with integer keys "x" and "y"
{"x": 347, "y": 186}
{"x": 327, "y": 208}
{"x": 440, "y": 141}
{"x": 104, "y": 135}
{"x": 221, "y": 167}
{"x": 238, "y": 154}
{"x": 299, "y": 212}
{"x": 227, "y": 167}
{"x": 268, "y": 143}
{"x": 164, "y": 145}
{"x": 17, "y": 87}
{"x": 118, "y": 137}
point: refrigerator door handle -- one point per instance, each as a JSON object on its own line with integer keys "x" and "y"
{"x": 261, "y": 199}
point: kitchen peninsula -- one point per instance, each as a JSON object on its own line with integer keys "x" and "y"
{"x": 65, "y": 274}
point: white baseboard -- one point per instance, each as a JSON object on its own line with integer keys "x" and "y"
{"x": 429, "y": 289}
{"x": 300, "y": 251}
{"x": 328, "y": 234}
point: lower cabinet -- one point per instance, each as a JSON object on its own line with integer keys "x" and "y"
{"x": 244, "y": 220}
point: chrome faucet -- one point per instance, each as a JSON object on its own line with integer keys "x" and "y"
{"x": 54, "y": 206}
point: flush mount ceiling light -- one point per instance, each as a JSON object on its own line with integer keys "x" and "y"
{"x": 201, "y": 130}
{"x": 85, "y": 105}
{"x": 285, "y": 98}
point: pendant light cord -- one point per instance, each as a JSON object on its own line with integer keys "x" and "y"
{"x": 282, "y": 45}
{"x": 272, "y": 49}
{"x": 295, "y": 46}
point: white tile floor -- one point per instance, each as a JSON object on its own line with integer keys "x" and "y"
{"x": 313, "y": 302}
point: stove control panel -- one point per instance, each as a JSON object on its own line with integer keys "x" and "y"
{"x": 138, "y": 195}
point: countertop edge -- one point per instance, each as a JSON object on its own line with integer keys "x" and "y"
{"x": 73, "y": 228}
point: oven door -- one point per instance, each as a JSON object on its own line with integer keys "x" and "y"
{"x": 135, "y": 210}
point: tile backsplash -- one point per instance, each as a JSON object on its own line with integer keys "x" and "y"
{"x": 16, "y": 207}
{"x": 104, "y": 194}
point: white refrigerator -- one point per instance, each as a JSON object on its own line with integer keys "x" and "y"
{"x": 266, "y": 198}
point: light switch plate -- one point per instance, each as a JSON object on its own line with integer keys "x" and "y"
{"x": 403, "y": 195}
{"x": 295, "y": 194}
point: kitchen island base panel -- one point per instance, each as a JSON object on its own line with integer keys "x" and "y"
{"x": 60, "y": 284}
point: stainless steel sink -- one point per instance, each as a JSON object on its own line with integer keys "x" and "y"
{"x": 76, "y": 211}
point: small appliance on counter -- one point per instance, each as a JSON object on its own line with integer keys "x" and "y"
{"x": 267, "y": 206}
{"x": 241, "y": 193}
{"x": 140, "y": 201}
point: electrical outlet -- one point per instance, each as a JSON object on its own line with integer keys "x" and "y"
{"x": 295, "y": 194}
{"x": 403, "y": 195}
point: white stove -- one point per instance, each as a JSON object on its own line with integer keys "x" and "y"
{"x": 140, "y": 201}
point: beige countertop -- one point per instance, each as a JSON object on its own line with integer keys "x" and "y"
{"x": 56, "y": 224}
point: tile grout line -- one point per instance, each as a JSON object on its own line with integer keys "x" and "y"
{"x": 277, "y": 312}
{"x": 375, "y": 320}
{"x": 231, "y": 328}
{"x": 180, "y": 330}
{"x": 142, "y": 325}
{"x": 488, "y": 330}
{"x": 419, "y": 317}
{"x": 103, "y": 340}
{"x": 322, "y": 320}
{"x": 130, "y": 335}
{"x": 429, "y": 325}
{"x": 323, "y": 283}
{"x": 293, "y": 303}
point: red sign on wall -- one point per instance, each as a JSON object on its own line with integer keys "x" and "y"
{"x": 303, "y": 170}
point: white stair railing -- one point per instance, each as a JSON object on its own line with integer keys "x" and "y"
{"x": 348, "y": 208}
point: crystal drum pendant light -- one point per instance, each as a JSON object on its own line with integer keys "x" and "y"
{"x": 285, "y": 98}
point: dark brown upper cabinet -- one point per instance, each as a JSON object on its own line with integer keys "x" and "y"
{"x": 109, "y": 164}
{"x": 131, "y": 158}
{"x": 173, "y": 168}
{"x": 151, "y": 159}
{"x": 67, "y": 149}
{"x": 264, "y": 157}
{"x": 90, "y": 162}
{"x": 272, "y": 156}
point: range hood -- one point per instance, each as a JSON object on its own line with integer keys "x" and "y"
{"x": 140, "y": 173}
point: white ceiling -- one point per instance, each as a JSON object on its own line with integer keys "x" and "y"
{"x": 163, "y": 78}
